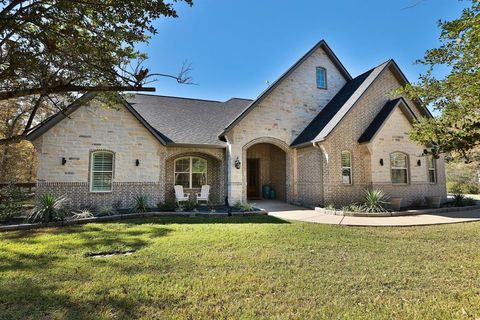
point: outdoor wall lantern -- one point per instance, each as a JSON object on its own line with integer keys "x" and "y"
{"x": 64, "y": 161}
{"x": 381, "y": 162}
{"x": 237, "y": 163}
{"x": 419, "y": 162}
{"x": 137, "y": 162}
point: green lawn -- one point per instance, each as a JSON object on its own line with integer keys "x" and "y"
{"x": 244, "y": 267}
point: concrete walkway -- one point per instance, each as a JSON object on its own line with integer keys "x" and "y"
{"x": 287, "y": 211}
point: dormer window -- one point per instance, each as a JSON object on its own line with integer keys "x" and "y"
{"x": 321, "y": 78}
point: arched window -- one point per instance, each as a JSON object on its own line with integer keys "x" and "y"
{"x": 101, "y": 171}
{"x": 346, "y": 167}
{"x": 190, "y": 172}
{"x": 399, "y": 167}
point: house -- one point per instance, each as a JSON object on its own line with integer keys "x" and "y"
{"x": 316, "y": 135}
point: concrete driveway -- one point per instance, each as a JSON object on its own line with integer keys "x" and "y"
{"x": 287, "y": 211}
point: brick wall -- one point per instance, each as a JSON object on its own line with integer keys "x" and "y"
{"x": 365, "y": 160}
{"x": 280, "y": 118}
{"x": 92, "y": 128}
{"x": 215, "y": 173}
{"x": 309, "y": 179}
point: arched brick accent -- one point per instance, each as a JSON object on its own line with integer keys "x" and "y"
{"x": 215, "y": 175}
{"x": 288, "y": 164}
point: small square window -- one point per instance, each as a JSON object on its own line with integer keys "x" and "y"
{"x": 321, "y": 78}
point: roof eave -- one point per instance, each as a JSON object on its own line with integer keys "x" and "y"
{"x": 43, "y": 127}
{"x": 322, "y": 43}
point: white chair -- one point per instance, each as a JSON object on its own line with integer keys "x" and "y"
{"x": 204, "y": 193}
{"x": 180, "y": 195}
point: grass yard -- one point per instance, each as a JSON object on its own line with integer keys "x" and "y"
{"x": 244, "y": 267}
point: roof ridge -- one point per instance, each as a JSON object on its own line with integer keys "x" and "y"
{"x": 236, "y": 98}
{"x": 177, "y": 97}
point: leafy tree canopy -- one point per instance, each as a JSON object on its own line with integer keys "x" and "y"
{"x": 52, "y": 48}
{"x": 456, "y": 97}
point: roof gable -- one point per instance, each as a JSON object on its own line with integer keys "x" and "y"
{"x": 171, "y": 120}
{"x": 321, "y": 44}
{"x": 381, "y": 118}
{"x": 324, "y": 123}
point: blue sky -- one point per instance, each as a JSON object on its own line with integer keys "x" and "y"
{"x": 236, "y": 46}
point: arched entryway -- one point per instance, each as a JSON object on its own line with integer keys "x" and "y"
{"x": 193, "y": 169}
{"x": 266, "y": 165}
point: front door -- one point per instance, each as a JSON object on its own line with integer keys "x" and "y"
{"x": 253, "y": 178}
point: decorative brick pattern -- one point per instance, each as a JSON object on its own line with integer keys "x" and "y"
{"x": 309, "y": 179}
{"x": 282, "y": 116}
{"x": 215, "y": 176}
{"x": 392, "y": 137}
{"x": 122, "y": 195}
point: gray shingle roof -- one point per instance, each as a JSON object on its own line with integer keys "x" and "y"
{"x": 185, "y": 120}
{"x": 330, "y": 110}
{"x": 378, "y": 121}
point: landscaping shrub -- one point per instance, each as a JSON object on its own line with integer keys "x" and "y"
{"x": 106, "y": 211}
{"x": 167, "y": 206}
{"x": 84, "y": 214}
{"x": 374, "y": 201}
{"x": 50, "y": 208}
{"x": 189, "y": 205}
{"x": 352, "y": 208}
{"x": 459, "y": 200}
{"x": 462, "y": 177}
{"x": 244, "y": 206}
{"x": 330, "y": 207}
{"x": 462, "y": 187}
{"x": 11, "y": 198}
{"x": 141, "y": 203}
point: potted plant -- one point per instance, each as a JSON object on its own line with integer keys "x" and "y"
{"x": 395, "y": 203}
{"x": 433, "y": 201}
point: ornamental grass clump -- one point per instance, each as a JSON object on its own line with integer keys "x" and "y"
{"x": 50, "y": 208}
{"x": 141, "y": 203}
{"x": 375, "y": 201}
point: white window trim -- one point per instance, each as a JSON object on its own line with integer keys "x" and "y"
{"x": 350, "y": 167}
{"x": 190, "y": 170}
{"x": 434, "y": 169}
{"x": 400, "y": 168}
{"x": 325, "y": 77}
{"x": 91, "y": 171}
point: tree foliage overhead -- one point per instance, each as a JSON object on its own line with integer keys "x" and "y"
{"x": 51, "y": 48}
{"x": 456, "y": 97}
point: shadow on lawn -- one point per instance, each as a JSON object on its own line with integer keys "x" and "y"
{"x": 207, "y": 220}
{"x": 26, "y": 299}
{"x": 28, "y": 253}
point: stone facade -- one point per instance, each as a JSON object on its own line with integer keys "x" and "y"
{"x": 281, "y": 117}
{"x": 91, "y": 128}
{"x": 365, "y": 160}
{"x": 311, "y": 175}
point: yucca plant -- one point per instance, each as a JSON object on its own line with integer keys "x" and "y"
{"x": 48, "y": 209}
{"x": 141, "y": 203}
{"x": 84, "y": 214}
{"x": 375, "y": 201}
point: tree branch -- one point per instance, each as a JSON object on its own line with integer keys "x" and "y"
{"x": 5, "y": 95}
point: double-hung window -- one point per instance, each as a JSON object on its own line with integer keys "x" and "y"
{"x": 346, "y": 167}
{"x": 399, "y": 167}
{"x": 101, "y": 172}
{"x": 432, "y": 169}
{"x": 190, "y": 172}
